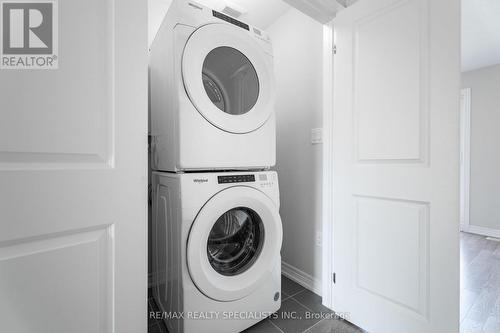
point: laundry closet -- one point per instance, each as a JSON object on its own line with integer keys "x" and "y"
{"x": 239, "y": 148}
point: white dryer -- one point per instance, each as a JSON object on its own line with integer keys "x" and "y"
{"x": 216, "y": 249}
{"x": 212, "y": 92}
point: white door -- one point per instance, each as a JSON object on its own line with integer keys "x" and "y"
{"x": 73, "y": 177}
{"x": 396, "y": 163}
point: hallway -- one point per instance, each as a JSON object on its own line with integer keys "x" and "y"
{"x": 480, "y": 284}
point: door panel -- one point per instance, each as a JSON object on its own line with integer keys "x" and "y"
{"x": 79, "y": 263}
{"x": 75, "y": 129}
{"x": 73, "y": 145}
{"x": 396, "y": 88}
{"x": 399, "y": 277}
{"x": 391, "y": 129}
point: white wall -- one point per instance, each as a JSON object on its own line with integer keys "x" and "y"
{"x": 157, "y": 11}
{"x": 485, "y": 146}
{"x": 297, "y": 41}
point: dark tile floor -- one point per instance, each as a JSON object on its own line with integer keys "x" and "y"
{"x": 479, "y": 298}
{"x": 301, "y": 311}
{"x": 479, "y": 284}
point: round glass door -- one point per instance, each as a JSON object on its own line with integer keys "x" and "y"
{"x": 235, "y": 241}
{"x": 228, "y": 77}
{"x": 230, "y": 80}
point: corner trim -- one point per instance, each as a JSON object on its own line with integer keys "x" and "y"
{"x": 328, "y": 258}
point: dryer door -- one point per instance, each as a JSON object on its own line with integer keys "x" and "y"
{"x": 228, "y": 77}
{"x": 234, "y": 243}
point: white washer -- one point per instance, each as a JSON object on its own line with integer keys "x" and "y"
{"x": 212, "y": 93}
{"x": 216, "y": 249}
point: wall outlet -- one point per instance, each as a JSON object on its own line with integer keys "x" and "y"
{"x": 316, "y": 136}
{"x": 319, "y": 238}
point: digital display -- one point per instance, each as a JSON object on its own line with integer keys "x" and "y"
{"x": 230, "y": 20}
{"x": 236, "y": 179}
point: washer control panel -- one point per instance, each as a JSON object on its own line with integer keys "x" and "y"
{"x": 236, "y": 179}
{"x": 230, "y": 20}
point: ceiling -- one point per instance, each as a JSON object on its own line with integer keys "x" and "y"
{"x": 259, "y": 13}
{"x": 480, "y": 33}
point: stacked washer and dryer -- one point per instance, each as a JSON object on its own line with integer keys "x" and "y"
{"x": 216, "y": 232}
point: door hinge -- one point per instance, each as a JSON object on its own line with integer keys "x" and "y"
{"x": 334, "y": 278}
{"x": 334, "y": 49}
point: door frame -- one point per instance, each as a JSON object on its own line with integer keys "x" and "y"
{"x": 465, "y": 168}
{"x": 328, "y": 167}
{"x": 465, "y": 138}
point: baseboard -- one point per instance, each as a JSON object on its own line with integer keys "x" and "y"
{"x": 305, "y": 280}
{"x": 484, "y": 231}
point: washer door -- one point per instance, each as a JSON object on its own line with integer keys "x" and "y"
{"x": 228, "y": 78}
{"x": 233, "y": 243}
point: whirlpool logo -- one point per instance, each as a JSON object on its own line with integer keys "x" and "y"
{"x": 200, "y": 180}
{"x": 29, "y": 34}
